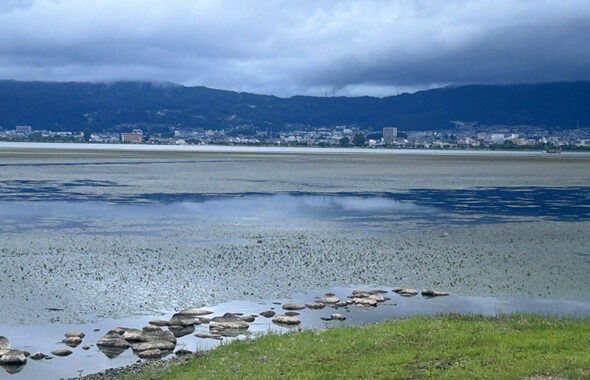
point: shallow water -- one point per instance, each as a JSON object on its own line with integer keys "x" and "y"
{"x": 112, "y": 238}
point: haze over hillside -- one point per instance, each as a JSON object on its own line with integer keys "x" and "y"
{"x": 76, "y": 106}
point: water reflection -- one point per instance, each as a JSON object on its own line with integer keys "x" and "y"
{"x": 25, "y": 205}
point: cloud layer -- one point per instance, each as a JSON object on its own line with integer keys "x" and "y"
{"x": 346, "y": 47}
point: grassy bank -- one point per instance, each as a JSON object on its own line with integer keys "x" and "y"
{"x": 451, "y": 347}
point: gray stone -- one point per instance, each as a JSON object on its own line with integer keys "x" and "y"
{"x": 38, "y": 356}
{"x": 293, "y": 306}
{"x": 377, "y": 297}
{"x": 248, "y": 318}
{"x": 329, "y": 294}
{"x": 160, "y": 335}
{"x": 183, "y": 352}
{"x": 85, "y": 348}
{"x": 326, "y": 318}
{"x": 160, "y": 322}
{"x": 204, "y": 320}
{"x": 327, "y": 300}
{"x": 338, "y": 317}
{"x": 61, "y": 352}
{"x": 342, "y": 304}
{"x": 15, "y": 357}
{"x": 112, "y": 339}
{"x": 268, "y": 314}
{"x": 72, "y": 341}
{"x": 162, "y": 345}
{"x": 228, "y": 321}
{"x": 405, "y": 292}
{"x": 291, "y": 313}
{"x": 367, "y": 302}
{"x": 134, "y": 335}
{"x": 195, "y": 312}
{"x": 150, "y": 327}
{"x": 286, "y": 320}
{"x": 75, "y": 333}
{"x": 183, "y": 320}
{"x": 180, "y": 331}
{"x": 315, "y": 305}
{"x": 433, "y": 293}
{"x": 4, "y": 343}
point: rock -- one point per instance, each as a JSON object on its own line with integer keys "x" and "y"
{"x": 195, "y": 312}
{"x": 160, "y": 335}
{"x": 377, "y": 297}
{"x": 38, "y": 356}
{"x": 150, "y": 354}
{"x": 183, "y": 352}
{"x": 286, "y": 320}
{"x": 341, "y": 304}
{"x": 112, "y": 339}
{"x": 268, "y": 314}
{"x": 338, "y": 317}
{"x": 96, "y": 330}
{"x": 203, "y": 320}
{"x": 61, "y": 352}
{"x": 180, "y": 331}
{"x": 237, "y": 314}
{"x": 291, "y": 313}
{"x": 120, "y": 330}
{"x": 315, "y": 305}
{"x": 326, "y": 318}
{"x": 368, "y": 302}
{"x": 85, "y": 348}
{"x": 4, "y": 343}
{"x": 74, "y": 334}
{"x": 329, "y": 294}
{"x": 248, "y": 318}
{"x": 183, "y": 320}
{"x": 208, "y": 336}
{"x": 433, "y": 293}
{"x": 228, "y": 321}
{"x": 134, "y": 335}
{"x": 151, "y": 328}
{"x": 26, "y": 353}
{"x": 160, "y": 322}
{"x": 293, "y": 306}
{"x": 14, "y": 357}
{"x": 72, "y": 341}
{"x": 405, "y": 292}
{"x": 327, "y": 300}
{"x": 162, "y": 345}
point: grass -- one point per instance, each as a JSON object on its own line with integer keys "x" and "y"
{"x": 442, "y": 347}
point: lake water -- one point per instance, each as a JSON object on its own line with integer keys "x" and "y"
{"x": 105, "y": 236}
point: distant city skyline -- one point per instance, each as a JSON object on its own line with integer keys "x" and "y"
{"x": 284, "y": 48}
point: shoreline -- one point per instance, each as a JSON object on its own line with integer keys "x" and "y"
{"x": 281, "y": 150}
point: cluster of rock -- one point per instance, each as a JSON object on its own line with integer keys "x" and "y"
{"x": 153, "y": 342}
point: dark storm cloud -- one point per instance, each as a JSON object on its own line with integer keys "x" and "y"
{"x": 284, "y": 47}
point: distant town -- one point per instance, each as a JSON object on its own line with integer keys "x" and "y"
{"x": 464, "y": 135}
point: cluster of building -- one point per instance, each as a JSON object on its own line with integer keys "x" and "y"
{"x": 462, "y": 135}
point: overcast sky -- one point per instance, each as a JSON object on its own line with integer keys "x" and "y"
{"x": 315, "y": 47}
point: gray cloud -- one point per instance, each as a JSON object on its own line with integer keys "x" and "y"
{"x": 345, "y": 47}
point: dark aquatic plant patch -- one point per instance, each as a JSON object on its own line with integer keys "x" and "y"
{"x": 447, "y": 347}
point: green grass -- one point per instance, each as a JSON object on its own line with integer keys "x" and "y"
{"x": 445, "y": 347}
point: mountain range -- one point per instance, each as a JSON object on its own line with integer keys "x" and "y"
{"x": 117, "y": 106}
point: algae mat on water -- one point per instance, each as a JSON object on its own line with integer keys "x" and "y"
{"x": 448, "y": 347}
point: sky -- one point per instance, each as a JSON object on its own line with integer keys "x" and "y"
{"x": 307, "y": 47}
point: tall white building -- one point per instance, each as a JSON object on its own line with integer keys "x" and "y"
{"x": 389, "y": 134}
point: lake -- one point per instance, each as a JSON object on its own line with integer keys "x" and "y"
{"x": 114, "y": 235}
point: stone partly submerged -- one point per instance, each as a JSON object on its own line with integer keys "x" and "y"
{"x": 180, "y": 331}
{"x": 405, "y": 292}
{"x": 38, "y": 356}
{"x": 13, "y": 357}
{"x": 327, "y": 300}
{"x": 4, "y": 345}
{"x": 429, "y": 293}
{"x": 61, "y": 352}
{"x": 315, "y": 305}
{"x": 112, "y": 344}
{"x": 195, "y": 312}
{"x": 75, "y": 333}
{"x": 180, "y": 319}
{"x": 228, "y": 321}
{"x": 286, "y": 320}
{"x": 72, "y": 341}
{"x": 268, "y": 314}
{"x": 293, "y": 306}
{"x": 160, "y": 322}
